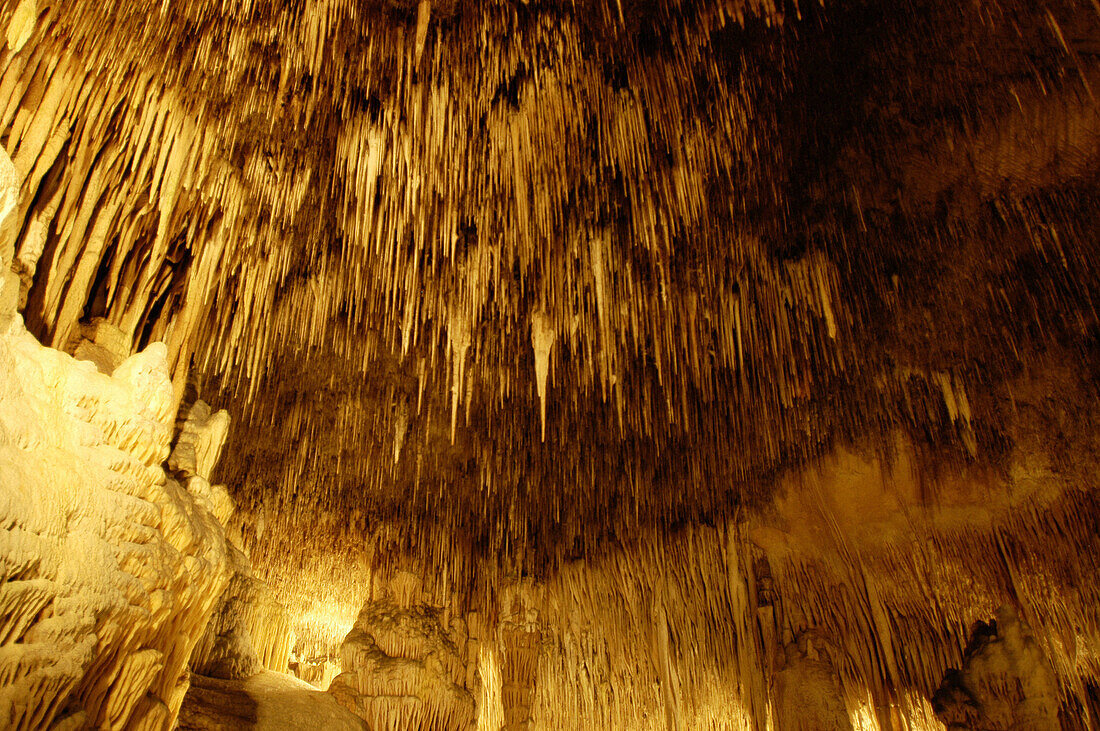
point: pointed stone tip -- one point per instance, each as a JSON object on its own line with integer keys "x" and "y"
{"x": 21, "y": 27}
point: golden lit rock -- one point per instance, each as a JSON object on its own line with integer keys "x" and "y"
{"x": 21, "y": 25}
{"x": 591, "y": 365}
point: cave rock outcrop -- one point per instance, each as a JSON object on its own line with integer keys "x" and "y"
{"x": 807, "y": 692}
{"x": 402, "y": 666}
{"x": 250, "y": 629}
{"x": 521, "y": 638}
{"x": 111, "y": 567}
{"x": 1005, "y": 684}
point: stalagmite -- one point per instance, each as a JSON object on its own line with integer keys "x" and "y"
{"x": 807, "y": 688}
{"x": 226, "y": 650}
{"x": 1006, "y": 681}
{"x": 402, "y": 667}
{"x": 9, "y": 282}
{"x": 200, "y": 440}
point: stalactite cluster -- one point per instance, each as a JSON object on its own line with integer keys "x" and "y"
{"x": 705, "y": 363}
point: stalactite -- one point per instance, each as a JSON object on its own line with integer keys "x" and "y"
{"x": 731, "y": 323}
{"x": 542, "y": 340}
{"x": 21, "y": 25}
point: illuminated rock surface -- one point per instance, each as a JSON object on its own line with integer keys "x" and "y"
{"x": 403, "y": 667}
{"x": 249, "y": 630}
{"x": 807, "y": 691}
{"x": 111, "y": 567}
{"x": 1006, "y": 681}
{"x": 702, "y": 364}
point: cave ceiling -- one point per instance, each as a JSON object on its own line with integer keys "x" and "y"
{"x": 538, "y": 274}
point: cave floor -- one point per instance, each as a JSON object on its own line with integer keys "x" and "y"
{"x": 269, "y": 700}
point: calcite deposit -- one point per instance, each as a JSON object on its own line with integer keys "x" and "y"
{"x": 1006, "y": 681}
{"x": 604, "y": 364}
{"x": 403, "y": 668}
{"x": 249, "y": 630}
{"x": 807, "y": 690}
{"x": 111, "y": 566}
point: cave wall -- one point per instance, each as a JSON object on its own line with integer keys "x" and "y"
{"x": 688, "y": 634}
{"x": 111, "y": 565}
{"x": 248, "y": 631}
{"x": 851, "y": 597}
{"x": 852, "y": 594}
{"x": 250, "y": 628}
{"x": 132, "y": 194}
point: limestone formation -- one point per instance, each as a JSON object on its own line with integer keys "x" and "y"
{"x": 318, "y": 672}
{"x": 1005, "y": 684}
{"x": 101, "y": 343}
{"x": 111, "y": 567}
{"x": 401, "y": 666}
{"x": 807, "y": 689}
{"x": 521, "y": 643}
{"x": 249, "y": 630}
{"x": 22, "y": 24}
{"x": 602, "y": 364}
{"x": 199, "y": 443}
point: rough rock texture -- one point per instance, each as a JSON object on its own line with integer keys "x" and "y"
{"x": 684, "y": 629}
{"x": 268, "y": 701}
{"x": 202, "y": 434}
{"x": 630, "y": 298}
{"x": 1006, "y": 682}
{"x": 402, "y": 667}
{"x": 111, "y": 568}
{"x": 226, "y": 649}
{"x": 102, "y": 343}
{"x": 807, "y": 693}
{"x": 521, "y": 651}
{"x": 249, "y": 630}
{"x": 318, "y": 672}
{"x": 268, "y": 627}
{"x": 521, "y": 638}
